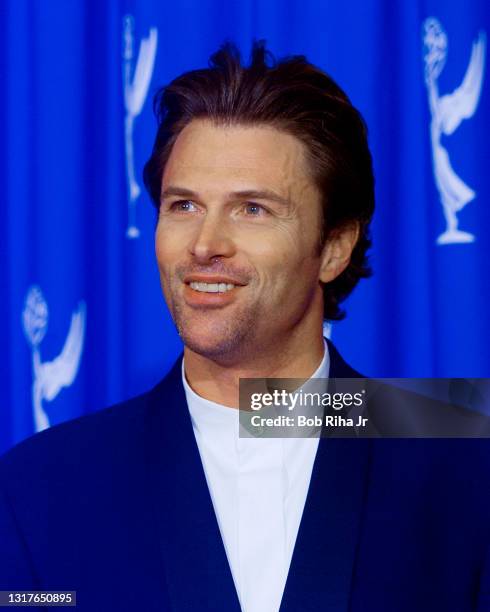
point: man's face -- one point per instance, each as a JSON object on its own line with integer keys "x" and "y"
{"x": 237, "y": 239}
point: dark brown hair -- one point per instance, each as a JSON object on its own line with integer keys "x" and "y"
{"x": 296, "y": 97}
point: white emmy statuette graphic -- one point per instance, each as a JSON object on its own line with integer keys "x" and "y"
{"x": 448, "y": 112}
{"x": 50, "y": 376}
{"x": 135, "y": 92}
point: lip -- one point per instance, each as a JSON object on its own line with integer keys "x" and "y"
{"x": 212, "y": 278}
{"x": 202, "y": 299}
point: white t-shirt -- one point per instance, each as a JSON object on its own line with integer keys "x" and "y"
{"x": 258, "y": 487}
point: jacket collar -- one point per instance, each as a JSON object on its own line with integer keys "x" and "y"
{"x": 338, "y": 367}
{"x": 323, "y": 563}
{"x": 195, "y": 563}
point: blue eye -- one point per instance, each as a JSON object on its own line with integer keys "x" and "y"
{"x": 254, "y": 210}
{"x": 182, "y": 206}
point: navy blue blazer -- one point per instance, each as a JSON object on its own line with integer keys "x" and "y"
{"x": 115, "y": 505}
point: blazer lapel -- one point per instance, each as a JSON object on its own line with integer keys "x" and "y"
{"x": 196, "y": 568}
{"x": 322, "y": 567}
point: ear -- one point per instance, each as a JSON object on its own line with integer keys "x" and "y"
{"x": 337, "y": 251}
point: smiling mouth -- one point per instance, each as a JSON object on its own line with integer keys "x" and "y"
{"x": 211, "y": 287}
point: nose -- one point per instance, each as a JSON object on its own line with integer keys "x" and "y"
{"x": 212, "y": 239}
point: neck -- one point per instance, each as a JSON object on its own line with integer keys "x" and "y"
{"x": 220, "y": 383}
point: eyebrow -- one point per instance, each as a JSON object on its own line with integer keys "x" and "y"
{"x": 257, "y": 194}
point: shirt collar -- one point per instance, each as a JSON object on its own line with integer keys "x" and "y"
{"x": 208, "y": 415}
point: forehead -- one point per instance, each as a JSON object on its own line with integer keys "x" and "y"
{"x": 261, "y": 154}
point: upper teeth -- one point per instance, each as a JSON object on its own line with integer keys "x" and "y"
{"x": 211, "y": 287}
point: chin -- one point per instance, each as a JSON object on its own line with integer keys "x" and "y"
{"x": 208, "y": 341}
{"x": 221, "y": 335}
{"x": 209, "y": 346}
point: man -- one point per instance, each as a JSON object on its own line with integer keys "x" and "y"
{"x": 263, "y": 183}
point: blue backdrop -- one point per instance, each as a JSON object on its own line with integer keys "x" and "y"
{"x": 84, "y": 320}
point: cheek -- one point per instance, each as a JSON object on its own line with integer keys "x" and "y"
{"x": 172, "y": 238}
{"x": 279, "y": 242}
{"x": 164, "y": 252}
{"x": 287, "y": 250}
{"x": 266, "y": 252}
{"x": 165, "y": 259}
{"x": 168, "y": 244}
{"x": 160, "y": 249}
{"x": 280, "y": 258}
